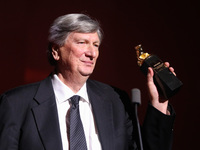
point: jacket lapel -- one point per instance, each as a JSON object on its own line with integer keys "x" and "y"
{"x": 46, "y": 116}
{"x": 102, "y": 110}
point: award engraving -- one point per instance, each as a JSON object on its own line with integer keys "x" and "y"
{"x": 166, "y": 82}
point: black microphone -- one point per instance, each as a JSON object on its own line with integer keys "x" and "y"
{"x": 136, "y": 100}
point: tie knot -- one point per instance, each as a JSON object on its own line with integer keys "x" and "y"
{"x": 75, "y": 100}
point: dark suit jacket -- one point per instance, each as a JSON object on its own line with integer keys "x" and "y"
{"x": 29, "y": 120}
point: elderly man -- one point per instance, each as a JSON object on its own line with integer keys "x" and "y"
{"x": 69, "y": 111}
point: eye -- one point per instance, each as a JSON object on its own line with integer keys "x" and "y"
{"x": 81, "y": 42}
{"x": 96, "y": 45}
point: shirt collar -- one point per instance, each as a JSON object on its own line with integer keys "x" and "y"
{"x": 63, "y": 92}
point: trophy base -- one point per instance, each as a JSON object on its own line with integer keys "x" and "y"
{"x": 166, "y": 82}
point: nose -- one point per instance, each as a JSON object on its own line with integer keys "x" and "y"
{"x": 92, "y": 52}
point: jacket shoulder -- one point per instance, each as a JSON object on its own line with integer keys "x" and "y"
{"x": 108, "y": 90}
{"x": 98, "y": 84}
{"x": 22, "y": 93}
{"x": 105, "y": 87}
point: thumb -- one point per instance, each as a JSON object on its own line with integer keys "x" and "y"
{"x": 150, "y": 75}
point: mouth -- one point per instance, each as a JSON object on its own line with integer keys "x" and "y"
{"x": 88, "y": 63}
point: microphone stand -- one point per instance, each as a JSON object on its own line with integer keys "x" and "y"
{"x": 136, "y": 100}
{"x": 138, "y": 126}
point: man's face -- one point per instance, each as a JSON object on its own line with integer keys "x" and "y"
{"x": 79, "y": 53}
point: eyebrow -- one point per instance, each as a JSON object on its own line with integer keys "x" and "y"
{"x": 85, "y": 39}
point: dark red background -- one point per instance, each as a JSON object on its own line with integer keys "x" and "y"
{"x": 168, "y": 29}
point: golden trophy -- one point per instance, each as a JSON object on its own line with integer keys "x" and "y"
{"x": 166, "y": 82}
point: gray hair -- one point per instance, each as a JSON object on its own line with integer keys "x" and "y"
{"x": 66, "y": 24}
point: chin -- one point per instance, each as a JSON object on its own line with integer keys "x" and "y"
{"x": 86, "y": 73}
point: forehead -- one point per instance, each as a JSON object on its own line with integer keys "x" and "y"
{"x": 84, "y": 36}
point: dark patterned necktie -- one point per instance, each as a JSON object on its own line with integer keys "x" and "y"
{"x": 77, "y": 136}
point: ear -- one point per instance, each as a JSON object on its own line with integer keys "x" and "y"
{"x": 55, "y": 52}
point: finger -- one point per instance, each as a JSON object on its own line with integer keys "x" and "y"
{"x": 150, "y": 71}
{"x": 172, "y": 70}
{"x": 150, "y": 74}
{"x": 166, "y": 64}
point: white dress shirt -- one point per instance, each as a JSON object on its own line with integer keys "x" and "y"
{"x": 63, "y": 94}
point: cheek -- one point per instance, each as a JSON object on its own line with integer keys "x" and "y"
{"x": 77, "y": 52}
{"x": 97, "y": 53}
{"x": 72, "y": 54}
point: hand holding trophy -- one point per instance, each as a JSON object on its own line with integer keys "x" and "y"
{"x": 166, "y": 82}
